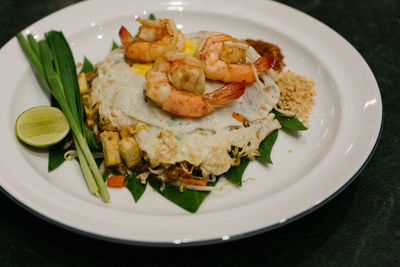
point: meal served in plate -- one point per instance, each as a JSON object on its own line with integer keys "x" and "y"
{"x": 185, "y": 108}
{"x": 179, "y": 110}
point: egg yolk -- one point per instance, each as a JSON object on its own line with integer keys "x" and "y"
{"x": 190, "y": 47}
{"x": 142, "y": 68}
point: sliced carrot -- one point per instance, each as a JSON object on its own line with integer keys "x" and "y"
{"x": 116, "y": 181}
{"x": 194, "y": 182}
{"x": 237, "y": 117}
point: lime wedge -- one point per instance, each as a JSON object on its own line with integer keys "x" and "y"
{"x": 41, "y": 126}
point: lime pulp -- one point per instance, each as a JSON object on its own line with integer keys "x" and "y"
{"x": 41, "y": 126}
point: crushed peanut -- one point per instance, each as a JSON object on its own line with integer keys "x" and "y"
{"x": 297, "y": 94}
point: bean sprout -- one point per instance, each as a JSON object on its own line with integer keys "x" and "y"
{"x": 70, "y": 155}
{"x": 68, "y": 144}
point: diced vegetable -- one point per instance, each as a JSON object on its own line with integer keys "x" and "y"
{"x": 85, "y": 100}
{"x": 83, "y": 85}
{"x": 237, "y": 117}
{"x": 91, "y": 113}
{"x": 126, "y": 131}
{"x": 129, "y": 151}
{"x": 106, "y": 125}
{"x": 194, "y": 182}
{"x": 110, "y": 142}
{"x": 116, "y": 181}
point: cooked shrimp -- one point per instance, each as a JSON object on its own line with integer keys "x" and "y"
{"x": 186, "y": 72}
{"x": 223, "y": 56}
{"x": 182, "y": 103}
{"x": 153, "y": 40}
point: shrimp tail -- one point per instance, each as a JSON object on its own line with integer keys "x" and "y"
{"x": 125, "y": 36}
{"x": 264, "y": 63}
{"x": 224, "y": 95}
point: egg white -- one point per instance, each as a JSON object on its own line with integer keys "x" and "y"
{"x": 204, "y": 142}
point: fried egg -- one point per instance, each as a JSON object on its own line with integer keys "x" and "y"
{"x": 167, "y": 139}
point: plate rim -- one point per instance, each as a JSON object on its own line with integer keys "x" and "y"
{"x": 199, "y": 242}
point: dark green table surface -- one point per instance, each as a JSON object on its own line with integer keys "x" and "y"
{"x": 360, "y": 227}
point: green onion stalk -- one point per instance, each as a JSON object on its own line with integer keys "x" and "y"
{"x": 53, "y": 62}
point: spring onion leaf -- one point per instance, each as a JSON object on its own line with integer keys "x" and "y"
{"x": 290, "y": 123}
{"x": 189, "y": 200}
{"x": 34, "y": 45}
{"x": 65, "y": 70}
{"x": 87, "y": 66}
{"x": 64, "y": 100}
{"x": 57, "y": 89}
{"x": 235, "y": 174}
{"x": 135, "y": 186}
{"x": 266, "y": 146}
{"x": 34, "y": 59}
{"x": 87, "y": 173}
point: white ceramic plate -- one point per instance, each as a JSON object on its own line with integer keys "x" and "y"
{"x": 309, "y": 168}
